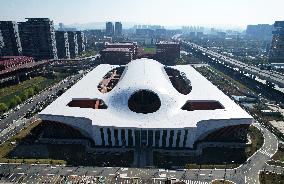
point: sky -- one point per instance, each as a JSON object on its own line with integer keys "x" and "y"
{"x": 211, "y": 13}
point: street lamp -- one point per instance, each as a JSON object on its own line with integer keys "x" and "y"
{"x": 235, "y": 170}
{"x": 225, "y": 171}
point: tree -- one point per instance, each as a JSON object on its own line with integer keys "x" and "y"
{"x": 18, "y": 99}
{"x": 3, "y": 107}
{"x": 24, "y": 95}
{"x": 15, "y": 101}
{"x": 31, "y": 91}
{"x": 36, "y": 88}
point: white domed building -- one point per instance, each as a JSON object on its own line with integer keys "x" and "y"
{"x": 145, "y": 103}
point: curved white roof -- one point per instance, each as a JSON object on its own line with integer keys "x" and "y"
{"x": 145, "y": 74}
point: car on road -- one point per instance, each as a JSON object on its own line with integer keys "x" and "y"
{"x": 5, "y": 115}
{"x": 17, "y": 107}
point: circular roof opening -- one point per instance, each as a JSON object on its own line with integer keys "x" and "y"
{"x": 144, "y": 101}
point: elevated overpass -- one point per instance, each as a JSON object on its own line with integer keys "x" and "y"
{"x": 269, "y": 76}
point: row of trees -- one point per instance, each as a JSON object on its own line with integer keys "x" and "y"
{"x": 18, "y": 99}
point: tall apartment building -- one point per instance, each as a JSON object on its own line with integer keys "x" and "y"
{"x": 38, "y": 38}
{"x": 11, "y": 38}
{"x": 1, "y": 43}
{"x": 81, "y": 41}
{"x": 73, "y": 44}
{"x": 276, "y": 54}
{"x": 118, "y": 29}
{"x": 62, "y": 44}
{"x": 109, "y": 29}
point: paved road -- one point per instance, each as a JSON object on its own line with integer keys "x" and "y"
{"x": 15, "y": 127}
{"x": 273, "y": 77}
{"x": 246, "y": 173}
{"x": 38, "y": 98}
{"x": 258, "y": 161}
{"x": 17, "y": 115}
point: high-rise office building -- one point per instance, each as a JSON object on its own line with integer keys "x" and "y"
{"x": 109, "y": 29}
{"x": 73, "y": 44}
{"x": 80, "y": 41}
{"x": 61, "y": 27}
{"x": 260, "y": 31}
{"x": 62, "y": 45}
{"x": 1, "y": 43}
{"x": 38, "y": 38}
{"x": 118, "y": 29}
{"x": 276, "y": 54}
{"x": 11, "y": 38}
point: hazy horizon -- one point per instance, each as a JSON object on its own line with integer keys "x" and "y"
{"x": 208, "y": 13}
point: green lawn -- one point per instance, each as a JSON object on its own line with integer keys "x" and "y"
{"x": 7, "y": 94}
{"x": 149, "y": 50}
{"x": 89, "y": 53}
{"x": 181, "y": 61}
{"x": 257, "y": 141}
{"x": 271, "y": 178}
{"x": 279, "y": 155}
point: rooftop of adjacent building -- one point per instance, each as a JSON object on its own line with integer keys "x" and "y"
{"x": 279, "y": 24}
{"x": 167, "y": 43}
{"x": 37, "y": 19}
{"x": 23, "y": 66}
{"x": 120, "y": 43}
{"x": 14, "y": 58}
{"x": 116, "y": 50}
{"x": 7, "y": 22}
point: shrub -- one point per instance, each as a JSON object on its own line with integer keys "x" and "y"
{"x": 30, "y": 91}
{"x": 15, "y": 101}
{"x": 24, "y": 95}
{"x": 3, "y": 107}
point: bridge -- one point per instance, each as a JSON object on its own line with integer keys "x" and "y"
{"x": 269, "y": 76}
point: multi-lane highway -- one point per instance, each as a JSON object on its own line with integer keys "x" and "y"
{"x": 270, "y": 76}
{"x": 7, "y": 124}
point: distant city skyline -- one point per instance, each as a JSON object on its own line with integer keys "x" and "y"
{"x": 208, "y": 13}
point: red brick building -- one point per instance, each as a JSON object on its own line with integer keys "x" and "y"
{"x": 7, "y": 62}
{"x": 167, "y": 52}
{"x": 116, "y": 56}
{"x": 132, "y": 46}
